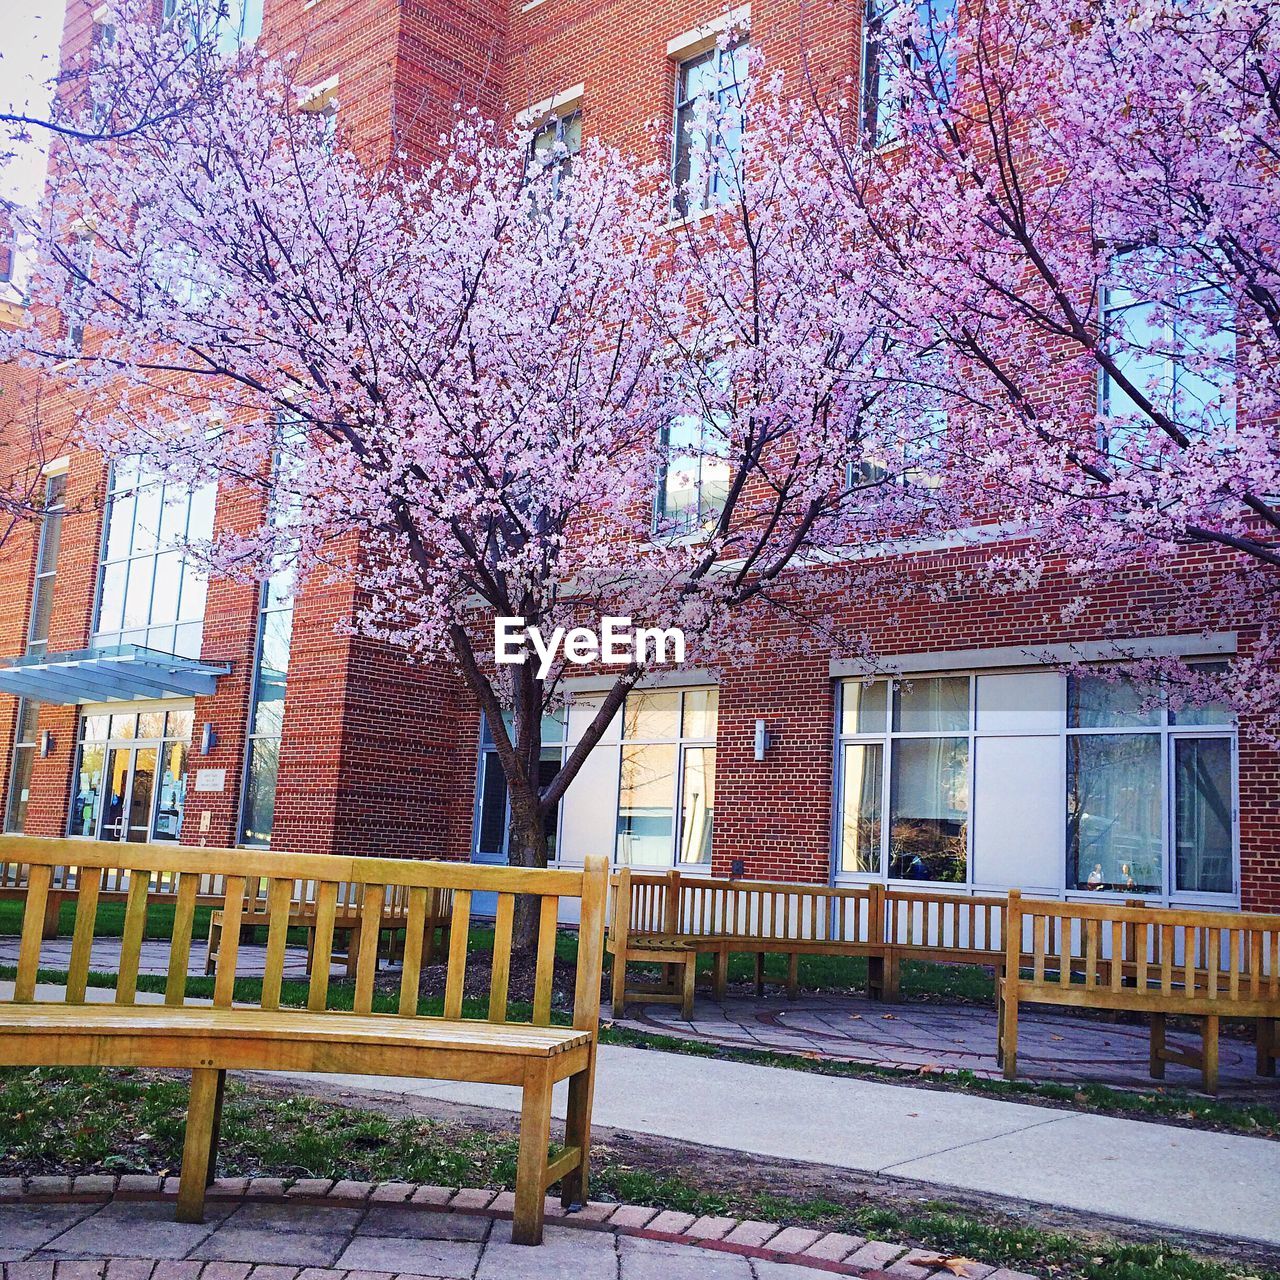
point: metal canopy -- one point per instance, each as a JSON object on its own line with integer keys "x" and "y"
{"x": 121, "y": 673}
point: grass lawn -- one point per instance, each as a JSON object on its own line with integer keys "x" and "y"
{"x": 117, "y": 1121}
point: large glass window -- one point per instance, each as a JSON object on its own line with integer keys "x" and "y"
{"x": 1144, "y": 796}
{"x": 1178, "y": 353}
{"x": 493, "y": 814}
{"x": 151, "y": 592}
{"x": 556, "y": 142}
{"x": 667, "y": 779}
{"x": 270, "y": 680}
{"x": 693, "y": 481}
{"x": 886, "y": 56}
{"x": 28, "y": 714}
{"x": 708, "y": 127}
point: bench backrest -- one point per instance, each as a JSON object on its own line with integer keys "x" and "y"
{"x": 1184, "y": 956}
{"x": 244, "y": 874}
{"x": 697, "y": 906}
{"x": 114, "y": 881}
{"x": 939, "y": 922}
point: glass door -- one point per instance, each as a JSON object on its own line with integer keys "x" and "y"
{"x": 131, "y": 782}
{"x": 119, "y": 766}
{"x": 141, "y": 792}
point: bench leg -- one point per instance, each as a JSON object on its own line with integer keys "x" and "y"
{"x": 215, "y": 940}
{"x": 1009, "y": 1040}
{"x": 759, "y": 974}
{"x": 688, "y": 975}
{"x": 1209, "y": 1059}
{"x": 720, "y": 978}
{"x": 353, "y": 951}
{"x": 577, "y": 1133}
{"x": 531, "y": 1162}
{"x": 1267, "y": 1046}
{"x": 793, "y": 975}
{"x": 1157, "y": 1046}
{"x": 618, "y": 976}
{"x": 200, "y": 1146}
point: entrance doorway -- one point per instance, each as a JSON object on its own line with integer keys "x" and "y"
{"x": 131, "y": 775}
{"x": 131, "y": 784}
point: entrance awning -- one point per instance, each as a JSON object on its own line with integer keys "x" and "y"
{"x": 121, "y": 673}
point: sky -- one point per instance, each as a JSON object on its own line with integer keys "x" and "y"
{"x": 29, "y": 34}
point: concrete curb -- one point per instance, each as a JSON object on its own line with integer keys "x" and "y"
{"x": 832, "y": 1253}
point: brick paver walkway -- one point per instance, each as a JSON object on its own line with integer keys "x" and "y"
{"x": 98, "y": 1229}
{"x": 920, "y": 1035}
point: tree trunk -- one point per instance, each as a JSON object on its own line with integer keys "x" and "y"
{"x": 526, "y": 847}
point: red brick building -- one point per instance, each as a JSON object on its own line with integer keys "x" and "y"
{"x": 162, "y": 707}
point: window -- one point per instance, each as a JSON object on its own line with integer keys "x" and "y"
{"x": 708, "y": 126}
{"x": 150, "y": 592}
{"x": 320, "y": 102}
{"x": 270, "y": 674}
{"x": 986, "y": 780}
{"x": 554, "y": 145}
{"x": 1142, "y": 781}
{"x": 885, "y": 58}
{"x": 493, "y": 814}
{"x": 24, "y": 758}
{"x": 26, "y": 720}
{"x": 55, "y": 492}
{"x": 1178, "y": 352}
{"x": 693, "y": 478}
{"x": 667, "y": 783}
{"x": 236, "y": 24}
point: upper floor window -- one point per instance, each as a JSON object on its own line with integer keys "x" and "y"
{"x": 47, "y": 563}
{"x": 320, "y": 101}
{"x": 236, "y": 23}
{"x": 1172, "y": 336}
{"x": 888, "y": 52}
{"x": 150, "y": 592}
{"x": 708, "y": 126}
{"x": 555, "y": 143}
{"x": 693, "y": 479}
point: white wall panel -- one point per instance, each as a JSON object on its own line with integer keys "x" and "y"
{"x": 589, "y": 821}
{"x": 1018, "y": 813}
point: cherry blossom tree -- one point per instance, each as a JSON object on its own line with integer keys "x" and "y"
{"x": 493, "y": 386}
{"x": 1081, "y": 201}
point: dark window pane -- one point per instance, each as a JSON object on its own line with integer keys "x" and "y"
{"x": 1114, "y": 812}
{"x": 929, "y": 809}
{"x": 491, "y": 836}
{"x": 19, "y": 788}
{"x": 1202, "y": 815}
{"x": 260, "y": 791}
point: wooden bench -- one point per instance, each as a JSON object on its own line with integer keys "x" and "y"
{"x": 1155, "y": 960}
{"x": 347, "y": 923}
{"x": 671, "y": 920}
{"x": 210, "y": 1039}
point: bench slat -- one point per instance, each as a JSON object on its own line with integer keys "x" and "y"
{"x": 367, "y": 963}
{"x": 229, "y": 949}
{"x": 456, "y": 976}
{"x": 545, "y": 971}
{"x": 503, "y": 922}
{"x": 279, "y": 896}
{"x": 414, "y": 937}
{"x": 135, "y": 919}
{"x": 82, "y": 940}
{"x": 24, "y": 988}
{"x": 175, "y": 987}
{"x": 322, "y": 945}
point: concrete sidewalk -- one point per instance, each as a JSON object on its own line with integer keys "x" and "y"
{"x": 1095, "y": 1164}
